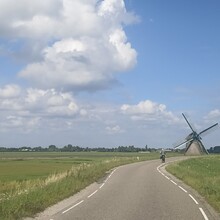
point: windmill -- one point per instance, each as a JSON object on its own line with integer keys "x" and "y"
{"x": 194, "y": 145}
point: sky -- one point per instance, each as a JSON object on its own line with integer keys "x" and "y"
{"x": 107, "y": 73}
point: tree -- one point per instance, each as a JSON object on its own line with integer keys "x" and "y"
{"x": 52, "y": 148}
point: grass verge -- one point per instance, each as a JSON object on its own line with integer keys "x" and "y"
{"x": 202, "y": 174}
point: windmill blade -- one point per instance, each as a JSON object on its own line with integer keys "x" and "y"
{"x": 209, "y": 129}
{"x": 188, "y": 123}
{"x": 181, "y": 144}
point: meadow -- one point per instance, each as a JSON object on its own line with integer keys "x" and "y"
{"x": 202, "y": 174}
{"x": 32, "y": 181}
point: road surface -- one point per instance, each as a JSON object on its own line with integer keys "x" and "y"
{"x": 139, "y": 191}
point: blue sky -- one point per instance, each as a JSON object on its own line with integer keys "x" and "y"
{"x": 108, "y": 73}
{"x": 178, "y": 47}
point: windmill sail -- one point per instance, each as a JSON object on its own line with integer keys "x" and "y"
{"x": 182, "y": 143}
{"x": 207, "y": 130}
{"x": 188, "y": 123}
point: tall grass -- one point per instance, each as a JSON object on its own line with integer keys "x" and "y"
{"x": 25, "y": 198}
{"x": 202, "y": 174}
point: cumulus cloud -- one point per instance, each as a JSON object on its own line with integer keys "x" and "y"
{"x": 16, "y": 19}
{"x": 50, "y": 102}
{"x": 28, "y": 107}
{"x": 10, "y": 91}
{"x": 148, "y": 110}
{"x": 82, "y": 44}
{"x": 114, "y": 129}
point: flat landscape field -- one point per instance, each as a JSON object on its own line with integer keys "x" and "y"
{"x": 21, "y": 166}
{"x": 32, "y": 181}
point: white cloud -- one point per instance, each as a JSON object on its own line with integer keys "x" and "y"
{"x": 82, "y": 44}
{"x": 67, "y": 45}
{"x": 114, "y": 129}
{"x": 114, "y": 10}
{"x": 10, "y": 91}
{"x": 26, "y": 108}
{"x": 125, "y": 57}
{"x": 214, "y": 114}
{"x": 16, "y": 19}
{"x": 49, "y": 112}
{"x": 50, "y": 102}
{"x": 20, "y": 123}
{"x": 150, "y": 111}
{"x": 143, "y": 107}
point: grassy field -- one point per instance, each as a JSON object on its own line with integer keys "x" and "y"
{"x": 32, "y": 181}
{"x": 202, "y": 174}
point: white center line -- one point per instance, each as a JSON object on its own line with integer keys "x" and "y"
{"x": 72, "y": 207}
{"x": 193, "y": 199}
{"x": 203, "y": 213}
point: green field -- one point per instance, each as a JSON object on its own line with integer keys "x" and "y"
{"x": 202, "y": 174}
{"x": 32, "y": 181}
{"x": 20, "y": 166}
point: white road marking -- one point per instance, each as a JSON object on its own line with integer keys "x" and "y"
{"x": 193, "y": 199}
{"x": 167, "y": 177}
{"x": 203, "y": 213}
{"x": 182, "y": 189}
{"x": 73, "y": 207}
{"x": 173, "y": 182}
{"x": 101, "y": 185}
{"x": 92, "y": 194}
{"x": 110, "y": 175}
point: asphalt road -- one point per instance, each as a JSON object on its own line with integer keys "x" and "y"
{"x": 139, "y": 191}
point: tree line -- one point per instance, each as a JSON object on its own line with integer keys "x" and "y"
{"x": 214, "y": 150}
{"x": 72, "y": 148}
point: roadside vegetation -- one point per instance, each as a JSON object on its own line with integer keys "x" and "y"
{"x": 202, "y": 174}
{"x": 32, "y": 181}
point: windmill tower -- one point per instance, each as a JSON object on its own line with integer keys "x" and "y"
{"x": 194, "y": 145}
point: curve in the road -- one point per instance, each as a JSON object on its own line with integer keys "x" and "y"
{"x": 158, "y": 169}
{"x": 131, "y": 194}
